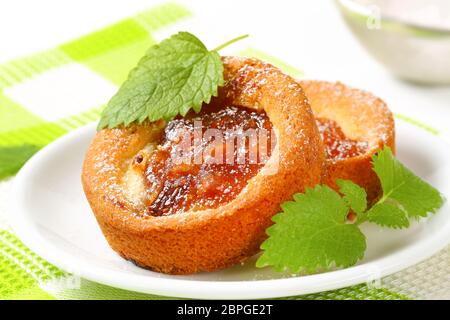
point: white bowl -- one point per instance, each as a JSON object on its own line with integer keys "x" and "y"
{"x": 409, "y": 47}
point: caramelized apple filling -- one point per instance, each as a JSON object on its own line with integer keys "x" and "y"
{"x": 337, "y": 145}
{"x": 205, "y": 160}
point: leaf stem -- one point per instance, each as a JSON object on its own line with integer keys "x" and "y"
{"x": 361, "y": 218}
{"x": 226, "y": 44}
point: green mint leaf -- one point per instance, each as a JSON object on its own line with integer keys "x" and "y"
{"x": 402, "y": 188}
{"x": 174, "y": 76}
{"x": 13, "y": 158}
{"x": 388, "y": 215}
{"x": 311, "y": 234}
{"x": 354, "y": 195}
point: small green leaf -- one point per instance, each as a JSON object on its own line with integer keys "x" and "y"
{"x": 388, "y": 215}
{"x": 174, "y": 76}
{"x": 13, "y": 158}
{"x": 354, "y": 195}
{"x": 311, "y": 234}
{"x": 400, "y": 185}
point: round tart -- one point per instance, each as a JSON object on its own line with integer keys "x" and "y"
{"x": 354, "y": 125}
{"x": 185, "y": 217}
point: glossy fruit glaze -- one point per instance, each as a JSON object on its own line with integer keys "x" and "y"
{"x": 337, "y": 145}
{"x": 204, "y": 160}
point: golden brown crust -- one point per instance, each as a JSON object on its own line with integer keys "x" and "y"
{"x": 362, "y": 117}
{"x": 210, "y": 239}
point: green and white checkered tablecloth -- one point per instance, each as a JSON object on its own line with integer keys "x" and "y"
{"x": 47, "y": 94}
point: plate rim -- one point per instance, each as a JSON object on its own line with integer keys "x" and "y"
{"x": 211, "y": 289}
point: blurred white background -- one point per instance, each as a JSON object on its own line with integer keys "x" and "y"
{"x": 309, "y": 35}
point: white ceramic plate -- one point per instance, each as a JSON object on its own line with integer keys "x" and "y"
{"x": 53, "y": 218}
